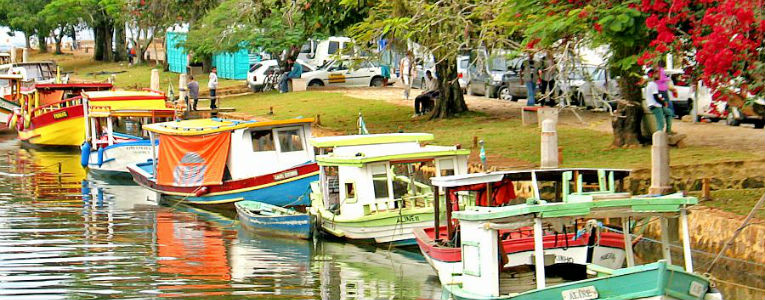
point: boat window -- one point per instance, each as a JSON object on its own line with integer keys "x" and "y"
{"x": 446, "y": 167}
{"x": 380, "y": 181}
{"x": 290, "y": 141}
{"x": 262, "y": 140}
{"x": 350, "y": 190}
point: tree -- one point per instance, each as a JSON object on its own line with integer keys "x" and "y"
{"x": 616, "y": 24}
{"x": 23, "y": 16}
{"x": 62, "y": 16}
{"x": 445, "y": 28}
{"x": 722, "y": 41}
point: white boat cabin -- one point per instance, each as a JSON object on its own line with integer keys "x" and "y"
{"x": 364, "y": 174}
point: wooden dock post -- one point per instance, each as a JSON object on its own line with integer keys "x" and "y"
{"x": 549, "y": 151}
{"x": 25, "y": 54}
{"x": 659, "y": 164}
{"x": 13, "y": 54}
{"x": 318, "y": 119}
{"x": 706, "y": 193}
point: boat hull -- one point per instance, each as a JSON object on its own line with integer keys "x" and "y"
{"x": 264, "y": 188}
{"x": 63, "y": 127}
{"x": 117, "y": 157}
{"x": 298, "y": 225}
{"x": 653, "y": 281}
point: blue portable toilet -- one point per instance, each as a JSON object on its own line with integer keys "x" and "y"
{"x": 177, "y": 57}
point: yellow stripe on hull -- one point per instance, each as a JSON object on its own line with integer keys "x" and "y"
{"x": 69, "y": 132}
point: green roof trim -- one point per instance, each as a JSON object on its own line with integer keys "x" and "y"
{"x": 369, "y": 139}
{"x": 326, "y": 160}
{"x": 664, "y": 204}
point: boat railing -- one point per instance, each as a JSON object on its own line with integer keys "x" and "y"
{"x": 406, "y": 201}
{"x": 56, "y": 106}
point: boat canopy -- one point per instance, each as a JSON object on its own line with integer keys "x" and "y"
{"x": 126, "y": 100}
{"x": 636, "y": 206}
{"x": 587, "y": 174}
{"x": 369, "y": 139}
{"x": 73, "y": 86}
{"x": 402, "y": 153}
{"x": 106, "y": 111}
{"x": 215, "y": 125}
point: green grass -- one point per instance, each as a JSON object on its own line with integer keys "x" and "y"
{"x": 735, "y": 201}
{"x": 505, "y": 137}
{"x": 133, "y": 77}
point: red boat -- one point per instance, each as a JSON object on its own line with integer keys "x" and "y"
{"x": 589, "y": 243}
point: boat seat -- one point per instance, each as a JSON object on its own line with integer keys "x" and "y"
{"x": 610, "y": 196}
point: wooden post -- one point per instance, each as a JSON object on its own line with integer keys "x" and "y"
{"x": 686, "y": 241}
{"x": 436, "y": 216}
{"x": 182, "y": 92}
{"x": 271, "y": 110}
{"x": 154, "y": 80}
{"x": 706, "y": 193}
{"x": 25, "y": 54}
{"x": 475, "y": 141}
{"x": 449, "y": 229}
{"x": 659, "y": 164}
{"x": 318, "y": 120}
{"x": 488, "y": 193}
{"x": 549, "y": 145}
{"x": 539, "y": 253}
{"x": 13, "y": 54}
{"x": 665, "y": 245}
{"x": 628, "y": 242}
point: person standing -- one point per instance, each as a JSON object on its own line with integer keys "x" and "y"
{"x": 212, "y": 84}
{"x": 193, "y": 87}
{"x": 406, "y": 68}
{"x": 295, "y": 72}
{"x": 657, "y": 103}
{"x": 547, "y": 85}
{"x": 663, "y": 84}
{"x": 425, "y": 101}
{"x": 529, "y": 76}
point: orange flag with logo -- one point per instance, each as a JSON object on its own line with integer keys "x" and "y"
{"x": 188, "y": 161}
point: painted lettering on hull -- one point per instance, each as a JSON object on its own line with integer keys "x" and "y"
{"x": 408, "y": 219}
{"x": 60, "y": 115}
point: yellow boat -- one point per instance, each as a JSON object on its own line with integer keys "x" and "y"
{"x": 62, "y": 123}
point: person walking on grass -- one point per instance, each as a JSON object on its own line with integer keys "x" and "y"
{"x": 529, "y": 77}
{"x": 213, "y": 86}
{"x": 406, "y": 68}
{"x": 658, "y": 104}
{"x": 193, "y": 87}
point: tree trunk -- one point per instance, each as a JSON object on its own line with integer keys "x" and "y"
{"x": 628, "y": 116}
{"x": 103, "y": 41}
{"x": 450, "y": 101}
{"x": 41, "y": 43}
{"x": 73, "y": 35}
{"x": 59, "y": 37}
{"x": 120, "y": 42}
{"x": 28, "y": 45}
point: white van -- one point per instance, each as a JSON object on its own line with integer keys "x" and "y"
{"x": 318, "y": 53}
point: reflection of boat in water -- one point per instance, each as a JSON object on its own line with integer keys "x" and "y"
{"x": 45, "y": 175}
{"x": 118, "y": 194}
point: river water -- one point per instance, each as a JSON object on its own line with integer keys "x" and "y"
{"x": 64, "y": 235}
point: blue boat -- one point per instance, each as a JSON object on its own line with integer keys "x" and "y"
{"x": 274, "y": 220}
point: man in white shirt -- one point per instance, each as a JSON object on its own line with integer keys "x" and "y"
{"x": 406, "y": 68}
{"x": 657, "y": 104}
{"x": 426, "y": 100}
{"x": 213, "y": 86}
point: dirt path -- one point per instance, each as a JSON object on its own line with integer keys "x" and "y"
{"x": 717, "y": 135}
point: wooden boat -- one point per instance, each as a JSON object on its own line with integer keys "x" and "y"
{"x": 218, "y": 162}
{"x": 52, "y": 114}
{"x": 588, "y": 244}
{"x": 10, "y": 97}
{"x": 275, "y": 220}
{"x": 113, "y": 135}
{"x": 376, "y": 187}
{"x": 484, "y": 277}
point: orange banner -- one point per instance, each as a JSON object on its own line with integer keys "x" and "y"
{"x": 192, "y": 160}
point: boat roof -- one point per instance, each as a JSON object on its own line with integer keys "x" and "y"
{"x": 11, "y": 76}
{"x": 107, "y": 111}
{"x": 624, "y": 207}
{"x": 63, "y": 86}
{"x": 369, "y": 139}
{"x": 122, "y": 95}
{"x": 588, "y": 174}
{"x": 214, "y": 125}
{"x": 406, "y": 154}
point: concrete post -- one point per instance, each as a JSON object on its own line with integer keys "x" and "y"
{"x": 182, "y": 92}
{"x": 25, "y": 55}
{"x": 549, "y": 151}
{"x": 13, "y": 54}
{"x": 154, "y": 80}
{"x": 659, "y": 164}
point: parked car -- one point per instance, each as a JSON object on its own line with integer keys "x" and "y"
{"x": 591, "y": 86}
{"x": 683, "y": 96}
{"x": 486, "y": 76}
{"x": 463, "y": 76}
{"x": 258, "y": 72}
{"x": 345, "y": 72}
{"x": 512, "y": 88}
{"x": 321, "y": 52}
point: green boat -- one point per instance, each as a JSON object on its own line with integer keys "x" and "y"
{"x": 484, "y": 275}
{"x": 377, "y": 187}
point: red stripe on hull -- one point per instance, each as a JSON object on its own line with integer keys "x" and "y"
{"x": 227, "y": 186}
{"x": 50, "y": 117}
{"x": 517, "y": 241}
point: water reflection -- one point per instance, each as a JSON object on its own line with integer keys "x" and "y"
{"x": 65, "y": 236}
